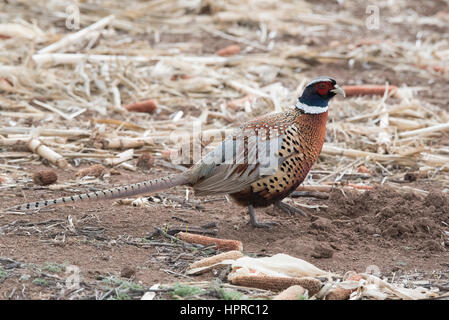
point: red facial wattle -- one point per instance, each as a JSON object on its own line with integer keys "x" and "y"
{"x": 323, "y": 87}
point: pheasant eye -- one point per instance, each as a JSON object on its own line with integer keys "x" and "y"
{"x": 323, "y": 87}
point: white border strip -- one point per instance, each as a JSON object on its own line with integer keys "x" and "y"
{"x": 310, "y": 109}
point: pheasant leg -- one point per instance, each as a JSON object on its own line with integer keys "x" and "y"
{"x": 255, "y": 223}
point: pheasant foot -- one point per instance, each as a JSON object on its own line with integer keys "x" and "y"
{"x": 255, "y": 223}
{"x": 291, "y": 210}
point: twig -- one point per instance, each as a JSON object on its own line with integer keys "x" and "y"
{"x": 75, "y": 58}
{"x": 309, "y": 194}
{"x": 177, "y": 274}
{"x": 352, "y": 153}
{"x": 236, "y": 39}
{"x": 76, "y": 37}
{"x": 174, "y": 230}
{"x": 45, "y": 152}
{"x": 425, "y": 131}
{"x": 183, "y": 243}
{"x": 10, "y": 263}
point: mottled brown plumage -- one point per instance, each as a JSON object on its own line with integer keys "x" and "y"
{"x": 303, "y": 139}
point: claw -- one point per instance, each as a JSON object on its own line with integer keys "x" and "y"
{"x": 291, "y": 210}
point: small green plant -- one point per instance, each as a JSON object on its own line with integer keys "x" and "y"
{"x": 183, "y": 291}
{"x": 142, "y": 268}
{"x": 40, "y": 282}
{"x": 122, "y": 288}
{"x": 227, "y": 294}
{"x": 53, "y": 267}
{"x": 25, "y": 277}
{"x": 123, "y": 284}
{"x": 209, "y": 252}
{"x": 132, "y": 286}
{"x": 302, "y": 297}
{"x": 121, "y": 296}
{"x": 3, "y": 274}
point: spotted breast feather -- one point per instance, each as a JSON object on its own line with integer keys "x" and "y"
{"x": 301, "y": 141}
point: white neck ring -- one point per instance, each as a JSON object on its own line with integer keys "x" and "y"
{"x": 310, "y": 109}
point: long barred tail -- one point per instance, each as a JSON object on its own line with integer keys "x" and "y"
{"x": 119, "y": 192}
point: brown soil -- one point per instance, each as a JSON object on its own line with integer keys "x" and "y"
{"x": 355, "y": 230}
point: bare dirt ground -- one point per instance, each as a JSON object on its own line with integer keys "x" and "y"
{"x": 402, "y": 233}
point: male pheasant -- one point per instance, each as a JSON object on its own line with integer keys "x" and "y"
{"x": 259, "y": 165}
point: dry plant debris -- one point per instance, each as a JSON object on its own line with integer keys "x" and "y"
{"x": 220, "y": 244}
{"x": 292, "y": 275}
{"x": 99, "y": 69}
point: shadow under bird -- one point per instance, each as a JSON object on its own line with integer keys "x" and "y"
{"x": 260, "y": 164}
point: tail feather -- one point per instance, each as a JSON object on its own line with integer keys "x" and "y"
{"x": 113, "y": 193}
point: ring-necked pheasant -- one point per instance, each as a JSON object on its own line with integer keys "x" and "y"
{"x": 259, "y": 165}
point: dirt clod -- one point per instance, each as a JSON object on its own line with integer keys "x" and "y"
{"x": 127, "y": 272}
{"x": 44, "y": 178}
{"x": 320, "y": 252}
{"x": 145, "y": 161}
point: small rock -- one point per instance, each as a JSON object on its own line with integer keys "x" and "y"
{"x": 410, "y": 177}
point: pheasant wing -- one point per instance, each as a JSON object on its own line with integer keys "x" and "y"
{"x": 251, "y": 153}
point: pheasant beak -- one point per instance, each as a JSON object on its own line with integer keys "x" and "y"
{"x": 338, "y": 90}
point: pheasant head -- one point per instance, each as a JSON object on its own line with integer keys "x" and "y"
{"x": 317, "y": 94}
